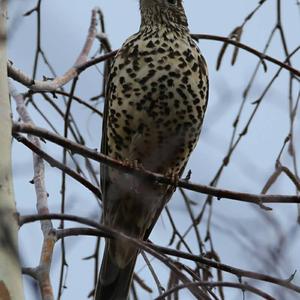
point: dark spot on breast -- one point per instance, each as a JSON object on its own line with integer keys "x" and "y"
{"x": 190, "y": 108}
{"x": 127, "y": 129}
{"x": 182, "y": 65}
{"x": 163, "y": 78}
{"x": 195, "y": 67}
{"x": 187, "y": 73}
{"x": 200, "y": 84}
{"x": 150, "y": 44}
{"x": 136, "y": 66}
{"x": 185, "y": 79}
{"x": 150, "y": 74}
{"x": 181, "y": 93}
{"x": 170, "y": 82}
{"x": 148, "y": 59}
{"x": 175, "y": 75}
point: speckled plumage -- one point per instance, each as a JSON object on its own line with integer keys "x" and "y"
{"x": 156, "y": 99}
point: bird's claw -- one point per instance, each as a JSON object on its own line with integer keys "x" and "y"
{"x": 174, "y": 178}
{"x": 133, "y": 164}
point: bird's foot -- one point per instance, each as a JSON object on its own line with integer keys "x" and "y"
{"x": 133, "y": 164}
{"x": 174, "y": 177}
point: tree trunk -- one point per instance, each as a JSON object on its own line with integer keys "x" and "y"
{"x": 11, "y": 287}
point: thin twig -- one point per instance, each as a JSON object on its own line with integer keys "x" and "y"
{"x": 241, "y": 286}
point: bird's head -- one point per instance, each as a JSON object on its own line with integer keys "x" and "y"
{"x": 169, "y": 13}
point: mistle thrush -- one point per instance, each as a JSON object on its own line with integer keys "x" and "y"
{"x": 156, "y": 98}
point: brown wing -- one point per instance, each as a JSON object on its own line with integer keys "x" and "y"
{"x": 103, "y": 167}
{"x": 170, "y": 191}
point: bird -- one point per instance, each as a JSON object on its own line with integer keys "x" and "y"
{"x": 156, "y": 98}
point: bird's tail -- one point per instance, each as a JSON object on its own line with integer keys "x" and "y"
{"x": 114, "y": 281}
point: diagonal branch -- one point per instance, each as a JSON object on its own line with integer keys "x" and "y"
{"x": 93, "y": 154}
{"x": 104, "y": 231}
{"x": 241, "y": 286}
{"x": 55, "y": 163}
{"x": 260, "y": 55}
{"x": 82, "y": 64}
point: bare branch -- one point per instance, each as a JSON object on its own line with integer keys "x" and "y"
{"x": 243, "y": 287}
{"x": 260, "y": 55}
{"x": 93, "y": 154}
{"x": 107, "y": 232}
{"x": 43, "y": 273}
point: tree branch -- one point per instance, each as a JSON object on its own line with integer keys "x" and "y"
{"x": 10, "y": 271}
{"x": 104, "y": 231}
{"x": 43, "y": 273}
{"x": 259, "y": 199}
{"x": 260, "y": 55}
{"x": 57, "y": 164}
{"x": 81, "y": 64}
{"x": 241, "y": 286}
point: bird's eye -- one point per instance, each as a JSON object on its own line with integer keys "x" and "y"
{"x": 172, "y": 1}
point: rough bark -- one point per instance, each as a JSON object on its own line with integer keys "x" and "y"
{"x": 10, "y": 272}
